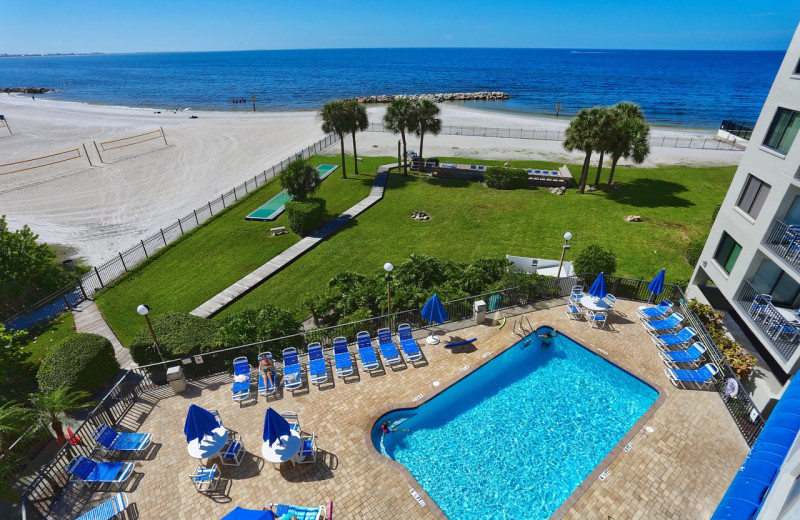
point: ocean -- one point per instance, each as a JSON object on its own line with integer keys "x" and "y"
{"x": 695, "y": 89}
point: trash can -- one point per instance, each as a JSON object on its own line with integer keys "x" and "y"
{"x": 176, "y": 379}
{"x": 479, "y": 312}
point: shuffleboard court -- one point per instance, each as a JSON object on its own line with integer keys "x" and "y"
{"x": 275, "y": 206}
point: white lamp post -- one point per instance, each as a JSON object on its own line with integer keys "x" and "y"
{"x": 388, "y": 268}
{"x": 567, "y": 237}
{"x": 143, "y": 310}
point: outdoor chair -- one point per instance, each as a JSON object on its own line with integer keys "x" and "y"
{"x": 302, "y": 513}
{"x": 293, "y": 419}
{"x": 308, "y": 450}
{"x": 292, "y": 371}
{"x": 267, "y": 387}
{"x": 341, "y": 357}
{"x": 690, "y": 355}
{"x": 574, "y": 311}
{"x": 89, "y": 472}
{"x": 597, "y": 319}
{"x": 790, "y": 328}
{"x": 659, "y": 311}
{"x": 111, "y": 440}
{"x": 241, "y": 380}
{"x": 683, "y": 336}
{"x": 366, "y": 352}
{"x": 233, "y": 454}
{"x": 700, "y": 376}
{"x": 317, "y": 368}
{"x": 576, "y": 294}
{"x": 108, "y": 509}
{"x": 760, "y": 306}
{"x": 610, "y": 299}
{"x": 408, "y": 343}
{"x": 388, "y": 348}
{"x": 205, "y": 479}
{"x": 669, "y": 323}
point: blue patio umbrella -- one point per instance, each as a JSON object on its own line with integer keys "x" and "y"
{"x": 199, "y": 423}
{"x": 434, "y": 312}
{"x": 275, "y": 427}
{"x": 657, "y": 285}
{"x": 240, "y": 513}
{"x": 598, "y": 288}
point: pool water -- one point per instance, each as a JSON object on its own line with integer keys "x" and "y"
{"x": 516, "y": 437}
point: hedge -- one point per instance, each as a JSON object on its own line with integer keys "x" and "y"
{"x": 692, "y": 252}
{"x": 179, "y": 334}
{"x": 501, "y": 178}
{"x": 305, "y": 216}
{"x": 82, "y": 362}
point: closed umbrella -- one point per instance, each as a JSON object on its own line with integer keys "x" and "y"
{"x": 240, "y": 513}
{"x": 199, "y": 423}
{"x": 275, "y": 427}
{"x": 657, "y": 285}
{"x": 434, "y": 312}
{"x": 598, "y": 288}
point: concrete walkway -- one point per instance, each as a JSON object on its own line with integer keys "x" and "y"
{"x": 89, "y": 319}
{"x": 241, "y": 287}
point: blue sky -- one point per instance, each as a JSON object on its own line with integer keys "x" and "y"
{"x": 45, "y": 26}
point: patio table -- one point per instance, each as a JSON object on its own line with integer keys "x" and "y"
{"x": 276, "y": 453}
{"x": 210, "y": 445}
{"x": 594, "y": 304}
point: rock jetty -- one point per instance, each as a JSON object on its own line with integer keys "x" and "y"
{"x": 438, "y": 98}
{"x": 26, "y": 90}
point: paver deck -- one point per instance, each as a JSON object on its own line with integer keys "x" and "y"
{"x": 679, "y": 470}
{"x": 88, "y": 318}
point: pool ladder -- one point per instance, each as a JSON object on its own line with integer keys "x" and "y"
{"x": 520, "y": 329}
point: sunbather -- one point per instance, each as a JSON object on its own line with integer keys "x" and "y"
{"x": 287, "y": 516}
{"x": 266, "y": 369}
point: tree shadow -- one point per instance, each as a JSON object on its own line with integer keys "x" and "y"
{"x": 651, "y": 193}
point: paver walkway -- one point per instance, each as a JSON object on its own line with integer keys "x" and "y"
{"x": 239, "y": 288}
{"x": 89, "y": 319}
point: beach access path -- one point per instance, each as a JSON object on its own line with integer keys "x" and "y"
{"x": 88, "y": 318}
{"x": 241, "y": 287}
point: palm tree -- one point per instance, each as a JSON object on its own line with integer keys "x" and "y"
{"x": 426, "y": 121}
{"x": 358, "y": 121}
{"x": 605, "y": 140}
{"x": 334, "y": 120}
{"x": 399, "y": 118}
{"x": 48, "y": 407}
{"x": 13, "y": 419}
{"x": 583, "y": 133}
{"x": 630, "y": 135}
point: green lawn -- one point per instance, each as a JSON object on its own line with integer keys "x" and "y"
{"x": 212, "y": 257}
{"x": 469, "y": 221}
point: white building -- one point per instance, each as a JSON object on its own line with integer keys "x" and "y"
{"x": 753, "y": 248}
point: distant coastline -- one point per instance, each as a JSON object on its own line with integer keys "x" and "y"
{"x": 48, "y": 55}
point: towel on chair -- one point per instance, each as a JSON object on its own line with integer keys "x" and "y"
{"x": 241, "y": 378}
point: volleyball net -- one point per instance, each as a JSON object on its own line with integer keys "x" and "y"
{"x": 39, "y": 162}
{"x": 132, "y": 140}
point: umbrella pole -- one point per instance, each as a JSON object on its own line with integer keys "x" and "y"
{"x": 432, "y": 340}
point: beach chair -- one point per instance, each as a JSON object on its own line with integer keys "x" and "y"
{"x": 657, "y": 312}
{"x": 108, "y": 509}
{"x": 690, "y": 355}
{"x": 302, "y": 513}
{"x": 388, "y": 348}
{"x": 241, "y": 380}
{"x": 317, "y": 368}
{"x": 341, "y": 357}
{"x": 700, "y": 376}
{"x": 610, "y": 299}
{"x": 308, "y": 450}
{"x": 683, "y": 336}
{"x": 292, "y": 371}
{"x": 267, "y": 387}
{"x": 366, "y": 352}
{"x": 408, "y": 343}
{"x": 576, "y": 294}
{"x": 233, "y": 454}
{"x": 87, "y": 471}
{"x": 293, "y": 419}
{"x": 205, "y": 479}
{"x": 574, "y": 311}
{"x": 597, "y": 319}
{"x": 668, "y": 323}
{"x": 111, "y": 440}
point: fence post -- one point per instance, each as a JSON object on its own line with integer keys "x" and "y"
{"x": 144, "y": 249}
{"x": 223, "y": 201}
{"x": 83, "y": 291}
{"x": 209, "y": 208}
{"x": 66, "y": 302}
{"x": 162, "y": 236}
{"x": 123, "y": 262}
{"x": 235, "y": 198}
{"x": 195, "y": 217}
{"x": 98, "y": 278}
{"x": 180, "y": 226}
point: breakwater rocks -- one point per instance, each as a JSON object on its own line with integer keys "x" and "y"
{"x": 438, "y": 98}
{"x": 26, "y": 90}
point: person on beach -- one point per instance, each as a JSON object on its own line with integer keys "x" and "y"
{"x": 287, "y": 516}
{"x": 266, "y": 370}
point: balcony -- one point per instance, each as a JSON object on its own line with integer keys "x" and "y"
{"x": 784, "y": 240}
{"x": 780, "y": 325}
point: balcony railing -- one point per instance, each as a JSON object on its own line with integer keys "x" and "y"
{"x": 784, "y": 240}
{"x": 783, "y": 333}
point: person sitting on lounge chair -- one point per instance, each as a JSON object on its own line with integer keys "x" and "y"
{"x": 266, "y": 369}
{"x": 287, "y": 516}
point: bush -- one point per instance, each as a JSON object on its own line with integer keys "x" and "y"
{"x": 305, "y": 216}
{"x": 692, "y": 252}
{"x": 82, "y": 362}
{"x": 179, "y": 335}
{"x": 300, "y": 179}
{"x": 261, "y": 324}
{"x": 595, "y": 259}
{"x": 740, "y": 361}
{"x": 501, "y": 178}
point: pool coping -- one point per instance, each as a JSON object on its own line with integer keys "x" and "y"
{"x": 584, "y": 486}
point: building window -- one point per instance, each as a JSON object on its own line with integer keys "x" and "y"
{"x": 727, "y": 252}
{"x": 753, "y": 196}
{"x": 783, "y": 130}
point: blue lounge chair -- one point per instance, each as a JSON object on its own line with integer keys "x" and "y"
{"x": 366, "y": 352}
{"x": 658, "y": 312}
{"x": 317, "y": 368}
{"x": 111, "y": 440}
{"x": 574, "y": 312}
{"x": 669, "y": 323}
{"x": 268, "y": 387}
{"x": 241, "y": 388}
{"x": 292, "y": 371}
{"x": 683, "y": 336}
{"x": 690, "y": 355}
{"x": 408, "y": 343}
{"x": 388, "y": 348}
{"x": 341, "y": 357}
{"x": 88, "y": 471}
{"x": 302, "y": 513}
{"x": 700, "y": 376}
{"x": 108, "y": 509}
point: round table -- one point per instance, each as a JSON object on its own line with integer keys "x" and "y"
{"x": 276, "y": 453}
{"x": 210, "y": 445}
{"x": 594, "y": 304}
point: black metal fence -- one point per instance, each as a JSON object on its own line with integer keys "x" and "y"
{"x": 783, "y": 334}
{"x": 544, "y": 134}
{"x": 102, "y": 275}
{"x": 737, "y": 129}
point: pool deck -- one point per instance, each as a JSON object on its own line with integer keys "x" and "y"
{"x": 679, "y": 471}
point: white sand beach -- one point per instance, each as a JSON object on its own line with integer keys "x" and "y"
{"x": 102, "y": 209}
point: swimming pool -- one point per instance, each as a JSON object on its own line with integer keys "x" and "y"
{"x": 517, "y": 436}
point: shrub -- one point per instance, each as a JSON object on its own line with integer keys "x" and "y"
{"x": 501, "y": 178}
{"x": 693, "y": 251}
{"x": 305, "y": 216}
{"x": 300, "y": 179}
{"x": 179, "y": 335}
{"x": 82, "y": 362}
{"x": 740, "y": 361}
{"x": 595, "y": 259}
{"x": 260, "y": 324}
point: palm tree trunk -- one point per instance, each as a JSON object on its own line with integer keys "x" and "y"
{"x": 355, "y": 155}
{"x": 58, "y": 428}
{"x": 585, "y": 172}
{"x": 614, "y": 159}
{"x": 421, "y": 138}
{"x": 599, "y": 169}
{"x": 344, "y": 169}
{"x": 405, "y": 154}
